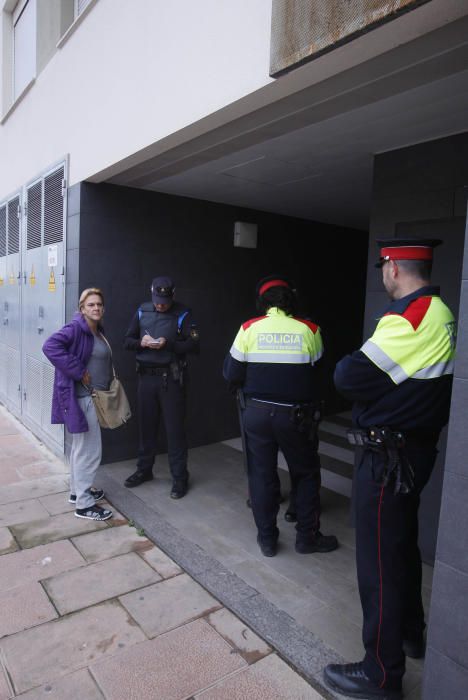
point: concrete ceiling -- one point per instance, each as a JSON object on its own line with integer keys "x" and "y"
{"x": 311, "y": 155}
{"x": 323, "y": 172}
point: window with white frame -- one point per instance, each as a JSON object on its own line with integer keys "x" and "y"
{"x": 24, "y": 45}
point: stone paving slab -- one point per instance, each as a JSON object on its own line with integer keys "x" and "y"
{"x": 22, "y": 511}
{"x": 161, "y": 562}
{"x": 173, "y": 666}
{"x": 53, "y": 528}
{"x": 33, "y": 488}
{"x": 14, "y": 448}
{"x": 95, "y": 583}
{"x": 28, "y": 565}
{"x": 68, "y": 644}
{"x": 57, "y": 503}
{"x": 5, "y": 692}
{"x": 7, "y": 542}
{"x": 8, "y": 474}
{"x": 7, "y": 426}
{"x": 42, "y": 468}
{"x": 23, "y": 607}
{"x": 269, "y": 679}
{"x": 76, "y": 685}
{"x": 169, "y": 604}
{"x": 239, "y": 636}
{"x": 111, "y": 542}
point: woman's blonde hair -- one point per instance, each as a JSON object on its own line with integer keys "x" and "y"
{"x": 87, "y": 293}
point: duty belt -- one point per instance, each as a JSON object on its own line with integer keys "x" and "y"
{"x": 269, "y": 405}
{"x": 305, "y": 416}
{"x": 161, "y": 371}
{"x": 391, "y": 445}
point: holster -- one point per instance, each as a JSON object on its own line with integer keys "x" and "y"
{"x": 306, "y": 417}
{"x": 390, "y": 445}
{"x": 177, "y": 369}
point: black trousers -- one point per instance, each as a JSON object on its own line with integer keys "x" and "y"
{"x": 161, "y": 397}
{"x": 266, "y": 429}
{"x": 389, "y": 563}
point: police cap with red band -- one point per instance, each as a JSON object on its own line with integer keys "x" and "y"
{"x": 271, "y": 281}
{"x": 406, "y": 249}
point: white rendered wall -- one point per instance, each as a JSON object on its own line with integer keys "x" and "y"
{"x": 133, "y": 72}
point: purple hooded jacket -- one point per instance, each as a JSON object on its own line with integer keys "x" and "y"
{"x": 69, "y": 350}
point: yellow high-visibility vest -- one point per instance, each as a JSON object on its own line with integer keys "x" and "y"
{"x": 418, "y": 344}
{"x": 278, "y": 338}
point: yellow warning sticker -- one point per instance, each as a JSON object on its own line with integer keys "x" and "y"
{"x": 52, "y": 286}
{"x": 1, "y": 281}
{"x": 11, "y": 278}
{"x": 32, "y": 277}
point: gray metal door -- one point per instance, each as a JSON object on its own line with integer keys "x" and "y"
{"x": 10, "y": 304}
{"x": 43, "y": 297}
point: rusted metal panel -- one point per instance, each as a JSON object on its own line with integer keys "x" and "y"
{"x": 303, "y": 29}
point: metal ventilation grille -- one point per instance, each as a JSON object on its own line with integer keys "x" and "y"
{"x": 53, "y": 208}
{"x": 13, "y": 226}
{"x": 33, "y": 386}
{"x": 55, "y": 431}
{"x": 3, "y": 373}
{"x": 33, "y": 229}
{"x": 2, "y": 232}
{"x": 80, "y": 5}
{"x": 13, "y": 378}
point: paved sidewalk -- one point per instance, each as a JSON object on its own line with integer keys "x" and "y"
{"x": 96, "y": 610}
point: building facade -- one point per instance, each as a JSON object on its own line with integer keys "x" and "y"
{"x": 135, "y": 136}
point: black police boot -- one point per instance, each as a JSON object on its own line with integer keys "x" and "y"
{"x": 351, "y": 680}
{"x": 319, "y": 543}
{"x": 415, "y": 648}
{"x": 268, "y": 548}
{"x": 290, "y": 516}
{"x": 179, "y": 488}
{"x": 138, "y": 478}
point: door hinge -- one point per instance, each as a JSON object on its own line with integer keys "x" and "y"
{"x": 64, "y": 187}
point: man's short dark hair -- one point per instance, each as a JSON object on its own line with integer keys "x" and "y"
{"x": 281, "y": 297}
{"x": 417, "y": 268}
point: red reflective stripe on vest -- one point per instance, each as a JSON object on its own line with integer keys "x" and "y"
{"x": 247, "y": 324}
{"x": 416, "y": 311}
{"x": 313, "y": 327}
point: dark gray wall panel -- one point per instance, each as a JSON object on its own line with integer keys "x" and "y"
{"x": 456, "y": 460}
{"x": 128, "y": 236}
{"x": 449, "y": 593}
{"x": 443, "y": 678}
{"x": 461, "y": 363}
{"x": 452, "y": 544}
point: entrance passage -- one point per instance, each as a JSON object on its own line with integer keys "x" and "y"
{"x": 318, "y": 591}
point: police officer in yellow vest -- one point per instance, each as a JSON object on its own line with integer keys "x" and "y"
{"x": 400, "y": 381}
{"x": 273, "y": 361}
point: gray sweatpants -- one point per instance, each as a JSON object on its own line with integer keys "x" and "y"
{"x": 85, "y": 455}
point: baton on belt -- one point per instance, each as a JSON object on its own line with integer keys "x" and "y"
{"x": 240, "y": 400}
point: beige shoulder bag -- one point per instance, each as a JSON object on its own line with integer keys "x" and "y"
{"x": 112, "y": 407}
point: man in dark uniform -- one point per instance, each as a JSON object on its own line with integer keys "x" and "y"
{"x": 162, "y": 332}
{"x": 273, "y": 361}
{"x": 400, "y": 381}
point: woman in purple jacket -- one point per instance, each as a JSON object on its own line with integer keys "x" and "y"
{"x": 82, "y": 360}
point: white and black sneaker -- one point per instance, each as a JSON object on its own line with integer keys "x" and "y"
{"x": 97, "y": 494}
{"x": 93, "y": 513}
